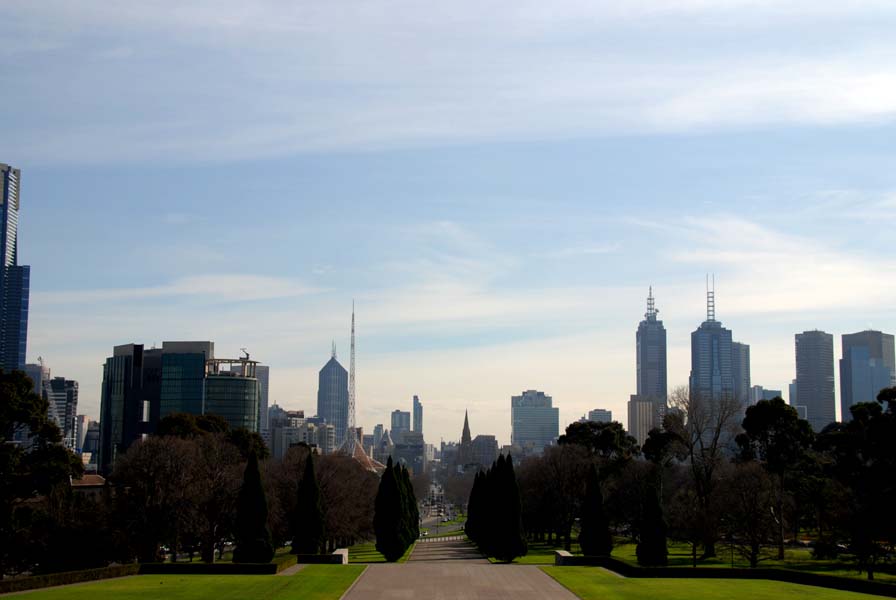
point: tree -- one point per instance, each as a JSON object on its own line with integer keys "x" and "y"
{"x": 308, "y": 516}
{"x": 595, "y": 537}
{"x": 608, "y": 441}
{"x": 474, "y": 508}
{"x": 652, "y": 550}
{"x": 388, "y": 517}
{"x": 775, "y": 435}
{"x": 704, "y": 427}
{"x": 213, "y": 492}
{"x": 253, "y": 539}
{"x": 508, "y": 540}
{"x": 749, "y": 495}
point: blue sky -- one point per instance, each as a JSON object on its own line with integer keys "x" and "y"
{"x": 494, "y": 184}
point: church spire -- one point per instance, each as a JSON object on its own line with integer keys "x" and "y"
{"x": 465, "y": 436}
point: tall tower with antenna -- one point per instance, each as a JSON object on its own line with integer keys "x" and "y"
{"x": 351, "y": 375}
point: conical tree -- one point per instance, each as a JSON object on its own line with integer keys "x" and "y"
{"x": 413, "y": 512}
{"x": 471, "y": 527}
{"x": 510, "y": 542}
{"x": 253, "y": 538}
{"x": 308, "y": 517}
{"x": 595, "y": 537}
{"x": 388, "y": 519}
{"x": 652, "y": 550}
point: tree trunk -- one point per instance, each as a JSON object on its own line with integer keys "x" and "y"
{"x": 694, "y": 553}
{"x": 709, "y": 548}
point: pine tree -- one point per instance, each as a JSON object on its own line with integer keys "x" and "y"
{"x": 388, "y": 517}
{"x": 595, "y": 537}
{"x": 652, "y": 550}
{"x": 308, "y": 517}
{"x": 509, "y": 540}
{"x": 253, "y": 538}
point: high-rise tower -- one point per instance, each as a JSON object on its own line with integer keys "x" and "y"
{"x": 814, "y": 387}
{"x": 418, "y": 415}
{"x": 333, "y": 397}
{"x": 14, "y": 279}
{"x": 647, "y": 408}
{"x": 867, "y": 367}
{"x": 711, "y": 370}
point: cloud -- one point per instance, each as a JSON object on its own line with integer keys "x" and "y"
{"x": 211, "y": 288}
{"x": 231, "y": 80}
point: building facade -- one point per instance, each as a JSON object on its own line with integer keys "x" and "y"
{"x": 534, "y": 421}
{"x": 332, "y": 396}
{"x": 232, "y": 392}
{"x": 401, "y": 424}
{"x": 61, "y": 395}
{"x": 15, "y": 279}
{"x": 866, "y": 368}
{"x": 740, "y": 373}
{"x": 815, "y": 377}
{"x": 183, "y": 377}
{"x": 418, "y": 415}
{"x": 650, "y": 348}
{"x": 600, "y": 415}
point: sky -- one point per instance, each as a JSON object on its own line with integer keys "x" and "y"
{"x": 494, "y": 184}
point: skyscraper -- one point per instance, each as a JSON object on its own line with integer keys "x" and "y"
{"x": 401, "y": 422}
{"x": 600, "y": 415}
{"x": 712, "y": 374}
{"x": 650, "y": 342}
{"x": 647, "y": 408}
{"x": 332, "y": 396}
{"x": 866, "y": 368}
{"x": 814, "y": 387}
{"x": 15, "y": 280}
{"x": 740, "y": 372}
{"x": 129, "y": 400}
{"x": 418, "y": 415}
{"x": 232, "y": 392}
{"x": 534, "y": 421}
{"x": 39, "y": 373}
{"x": 62, "y": 396}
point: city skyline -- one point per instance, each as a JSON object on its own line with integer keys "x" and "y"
{"x": 497, "y": 192}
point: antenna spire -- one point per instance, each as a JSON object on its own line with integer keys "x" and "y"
{"x": 651, "y": 306}
{"x": 334, "y": 349}
{"x": 711, "y": 298}
{"x": 351, "y": 375}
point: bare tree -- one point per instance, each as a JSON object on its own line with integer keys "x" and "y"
{"x": 749, "y": 500}
{"x": 705, "y": 427}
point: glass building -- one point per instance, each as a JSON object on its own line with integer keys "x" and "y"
{"x": 814, "y": 387}
{"x": 866, "y": 368}
{"x": 183, "y": 377}
{"x": 332, "y": 396}
{"x": 15, "y": 280}
{"x": 232, "y": 393}
{"x": 534, "y": 421}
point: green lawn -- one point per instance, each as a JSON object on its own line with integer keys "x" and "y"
{"x": 314, "y": 582}
{"x": 541, "y": 553}
{"x": 367, "y": 553}
{"x": 590, "y": 583}
{"x": 799, "y": 559}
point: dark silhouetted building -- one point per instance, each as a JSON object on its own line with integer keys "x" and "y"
{"x": 15, "y": 279}
{"x": 814, "y": 388}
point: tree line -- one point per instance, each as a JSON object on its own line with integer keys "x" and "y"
{"x": 493, "y": 512}
{"x": 714, "y": 472}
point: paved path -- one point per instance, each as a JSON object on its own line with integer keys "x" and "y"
{"x": 291, "y": 570}
{"x": 454, "y": 569}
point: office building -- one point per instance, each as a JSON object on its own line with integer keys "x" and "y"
{"x": 61, "y": 395}
{"x": 650, "y": 341}
{"x": 534, "y": 421}
{"x": 38, "y": 373}
{"x": 740, "y": 373}
{"x": 866, "y": 368}
{"x": 410, "y": 451}
{"x": 183, "y": 377}
{"x": 81, "y": 423}
{"x": 485, "y": 450}
{"x": 231, "y": 392}
{"x": 644, "y": 414}
{"x": 129, "y": 400}
{"x": 15, "y": 279}
{"x": 815, "y": 377}
{"x": 757, "y": 393}
{"x": 332, "y": 396}
{"x": 418, "y": 415}
{"x": 263, "y": 374}
{"x": 600, "y": 415}
{"x": 401, "y": 423}
{"x": 377, "y": 434}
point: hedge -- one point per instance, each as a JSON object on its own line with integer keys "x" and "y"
{"x": 40, "y": 581}
{"x": 562, "y": 558}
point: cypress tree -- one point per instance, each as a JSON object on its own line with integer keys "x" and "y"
{"x": 308, "y": 517}
{"x": 595, "y": 537}
{"x": 473, "y": 509}
{"x": 253, "y": 538}
{"x": 413, "y": 514}
{"x": 652, "y": 550}
{"x": 510, "y": 542}
{"x": 388, "y": 518}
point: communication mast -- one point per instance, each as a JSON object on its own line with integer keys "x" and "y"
{"x": 351, "y": 376}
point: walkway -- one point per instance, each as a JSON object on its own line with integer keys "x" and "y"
{"x": 454, "y": 570}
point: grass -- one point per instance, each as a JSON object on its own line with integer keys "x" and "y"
{"x": 541, "y": 553}
{"x": 589, "y": 583}
{"x": 367, "y": 553}
{"x": 314, "y": 582}
{"x": 798, "y": 559}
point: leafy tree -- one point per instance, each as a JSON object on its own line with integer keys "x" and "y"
{"x": 608, "y": 441}
{"x": 652, "y": 550}
{"x": 749, "y": 494}
{"x": 308, "y": 516}
{"x": 388, "y": 518}
{"x": 253, "y": 539}
{"x": 776, "y": 436}
{"x": 595, "y": 537}
{"x": 248, "y": 442}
